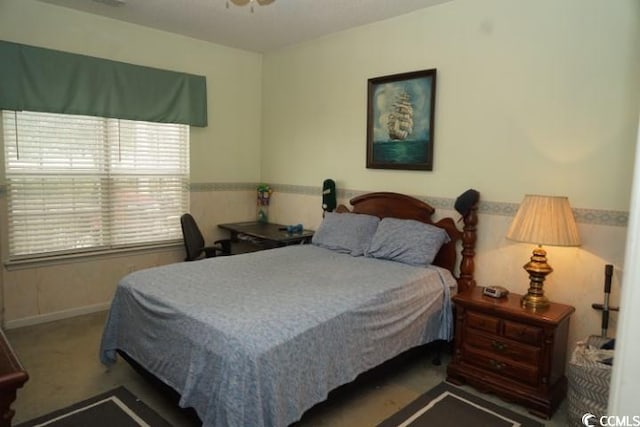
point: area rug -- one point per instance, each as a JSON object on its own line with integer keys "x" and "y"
{"x": 446, "y": 404}
{"x": 118, "y": 407}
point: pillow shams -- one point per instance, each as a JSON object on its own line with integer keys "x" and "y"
{"x": 407, "y": 241}
{"x": 346, "y": 232}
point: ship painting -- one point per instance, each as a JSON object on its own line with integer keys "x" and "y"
{"x": 400, "y": 118}
{"x": 400, "y": 122}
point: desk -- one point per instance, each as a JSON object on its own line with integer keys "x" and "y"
{"x": 264, "y": 235}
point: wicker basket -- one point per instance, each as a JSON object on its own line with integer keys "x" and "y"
{"x": 588, "y": 380}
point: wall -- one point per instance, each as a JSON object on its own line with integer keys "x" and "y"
{"x": 532, "y": 97}
{"x": 225, "y": 156}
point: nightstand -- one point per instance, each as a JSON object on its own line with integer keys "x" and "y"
{"x": 514, "y": 353}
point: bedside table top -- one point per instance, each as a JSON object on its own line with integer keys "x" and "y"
{"x": 510, "y": 305}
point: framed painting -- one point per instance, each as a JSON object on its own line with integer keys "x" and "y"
{"x": 400, "y": 120}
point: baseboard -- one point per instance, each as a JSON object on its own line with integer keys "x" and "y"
{"x": 57, "y": 315}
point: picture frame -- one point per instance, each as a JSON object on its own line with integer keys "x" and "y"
{"x": 400, "y": 120}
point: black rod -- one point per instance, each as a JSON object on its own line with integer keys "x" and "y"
{"x": 608, "y": 272}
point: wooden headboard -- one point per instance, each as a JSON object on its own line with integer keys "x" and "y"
{"x": 395, "y": 205}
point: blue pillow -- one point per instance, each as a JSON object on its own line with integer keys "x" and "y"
{"x": 346, "y": 232}
{"x": 407, "y": 241}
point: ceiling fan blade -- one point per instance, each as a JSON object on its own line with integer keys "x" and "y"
{"x": 265, "y": 2}
{"x": 240, "y": 2}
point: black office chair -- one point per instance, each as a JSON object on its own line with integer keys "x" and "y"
{"x": 194, "y": 242}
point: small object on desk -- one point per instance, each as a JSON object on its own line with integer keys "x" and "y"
{"x": 495, "y": 291}
{"x": 291, "y": 229}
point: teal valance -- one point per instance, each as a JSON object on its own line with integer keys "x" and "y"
{"x": 38, "y": 79}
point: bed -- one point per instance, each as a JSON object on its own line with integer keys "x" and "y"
{"x": 257, "y": 339}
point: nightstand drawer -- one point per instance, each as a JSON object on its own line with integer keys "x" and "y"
{"x": 523, "y": 333}
{"x": 505, "y": 348}
{"x": 502, "y": 367}
{"x": 483, "y": 322}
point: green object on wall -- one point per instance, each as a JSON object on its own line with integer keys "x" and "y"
{"x": 45, "y": 80}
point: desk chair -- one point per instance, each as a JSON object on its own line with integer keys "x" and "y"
{"x": 194, "y": 241}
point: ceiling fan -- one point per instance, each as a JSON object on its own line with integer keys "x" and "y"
{"x": 250, "y": 2}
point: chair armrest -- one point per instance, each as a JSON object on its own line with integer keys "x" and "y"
{"x": 220, "y": 247}
{"x": 224, "y": 245}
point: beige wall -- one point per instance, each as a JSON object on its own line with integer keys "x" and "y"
{"x": 532, "y": 97}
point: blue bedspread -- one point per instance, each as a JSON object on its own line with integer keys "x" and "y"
{"x": 257, "y": 339}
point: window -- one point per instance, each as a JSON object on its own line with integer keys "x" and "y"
{"x": 79, "y": 183}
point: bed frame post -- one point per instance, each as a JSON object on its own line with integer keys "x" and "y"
{"x": 469, "y": 237}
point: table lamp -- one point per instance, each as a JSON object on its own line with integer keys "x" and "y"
{"x": 543, "y": 220}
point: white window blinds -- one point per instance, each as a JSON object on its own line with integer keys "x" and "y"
{"x": 79, "y": 183}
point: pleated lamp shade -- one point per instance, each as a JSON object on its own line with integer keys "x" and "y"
{"x": 545, "y": 220}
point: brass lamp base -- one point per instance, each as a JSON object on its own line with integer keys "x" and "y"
{"x": 538, "y": 269}
{"x": 534, "y": 302}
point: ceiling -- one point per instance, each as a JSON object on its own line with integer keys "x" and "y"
{"x": 269, "y": 27}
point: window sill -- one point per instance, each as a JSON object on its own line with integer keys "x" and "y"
{"x": 44, "y": 261}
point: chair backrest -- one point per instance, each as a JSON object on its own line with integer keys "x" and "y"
{"x": 193, "y": 240}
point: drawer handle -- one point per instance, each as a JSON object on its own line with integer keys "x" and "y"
{"x": 498, "y": 346}
{"x": 496, "y": 365}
